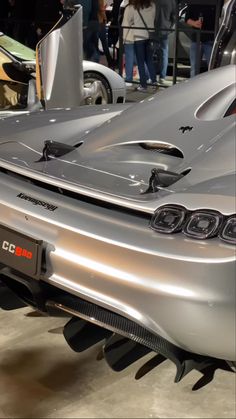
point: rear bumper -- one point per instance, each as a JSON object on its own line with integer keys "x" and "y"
{"x": 180, "y": 289}
{"x": 118, "y": 95}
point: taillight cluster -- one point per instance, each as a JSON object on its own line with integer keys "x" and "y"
{"x": 199, "y": 224}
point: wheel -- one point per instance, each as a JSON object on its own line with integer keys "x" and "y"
{"x": 104, "y": 94}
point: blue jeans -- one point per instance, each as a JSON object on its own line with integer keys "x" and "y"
{"x": 205, "y": 49}
{"x": 164, "y": 48}
{"x": 129, "y": 61}
{"x": 103, "y": 38}
{"x": 143, "y": 51}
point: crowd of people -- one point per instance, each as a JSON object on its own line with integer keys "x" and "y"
{"x": 145, "y": 25}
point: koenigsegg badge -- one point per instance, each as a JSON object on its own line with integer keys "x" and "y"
{"x": 36, "y": 201}
{"x": 185, "y": 129}
{"x": 16, "y": 250}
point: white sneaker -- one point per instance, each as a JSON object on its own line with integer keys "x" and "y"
{"x": 142, "y": 89}
{"x": 154, "y": 86}
{"x": 128, "y": 84}
{"x": 164, "y": 82}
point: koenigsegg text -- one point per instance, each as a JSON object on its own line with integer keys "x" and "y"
{"x": 36, "y": 201}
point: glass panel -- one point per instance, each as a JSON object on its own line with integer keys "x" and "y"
{"x": 224, "y": 51}
{"x": 16, "y": 49}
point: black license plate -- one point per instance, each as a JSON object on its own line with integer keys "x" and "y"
{"x": 20, "y": 252}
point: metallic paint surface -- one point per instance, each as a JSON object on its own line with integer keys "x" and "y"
{"x": 61, "y": 64}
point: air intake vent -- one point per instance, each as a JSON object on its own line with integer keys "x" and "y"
{"x": 164, "y": 148}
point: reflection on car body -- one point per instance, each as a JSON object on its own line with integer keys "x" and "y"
{"x": 129, "y": 228}
{"x": 143, "y": 228}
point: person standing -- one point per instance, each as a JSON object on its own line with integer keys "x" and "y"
{"x": 128, "y": 40}
{"x": 91, "y": 32}
{"x": 113, "y": 31}
{"x": 86, "y": 4}
{"x": 200, "y": 16}
{"x": 141, "y": 14}
{"x": 102, "y": 19}
{"x": 165, "y": 18}
{"x": 90, "y": 25}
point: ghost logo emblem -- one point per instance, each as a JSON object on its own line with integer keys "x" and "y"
{"x": 185, "y": 128}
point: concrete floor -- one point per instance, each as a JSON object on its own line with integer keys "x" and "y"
{"x": 41, "y": 377}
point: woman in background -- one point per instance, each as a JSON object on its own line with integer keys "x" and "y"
{"x": 128, "y": 40}
{"x": 141, "y": 14}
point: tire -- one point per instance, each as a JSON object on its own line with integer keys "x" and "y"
{"x": 104, "y": 95}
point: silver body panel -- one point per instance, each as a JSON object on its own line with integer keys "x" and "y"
{"x": 179, "y": 288}
{"x": 60, "y": 61}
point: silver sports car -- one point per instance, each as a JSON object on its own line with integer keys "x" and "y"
{"x": 124, "y": 218}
